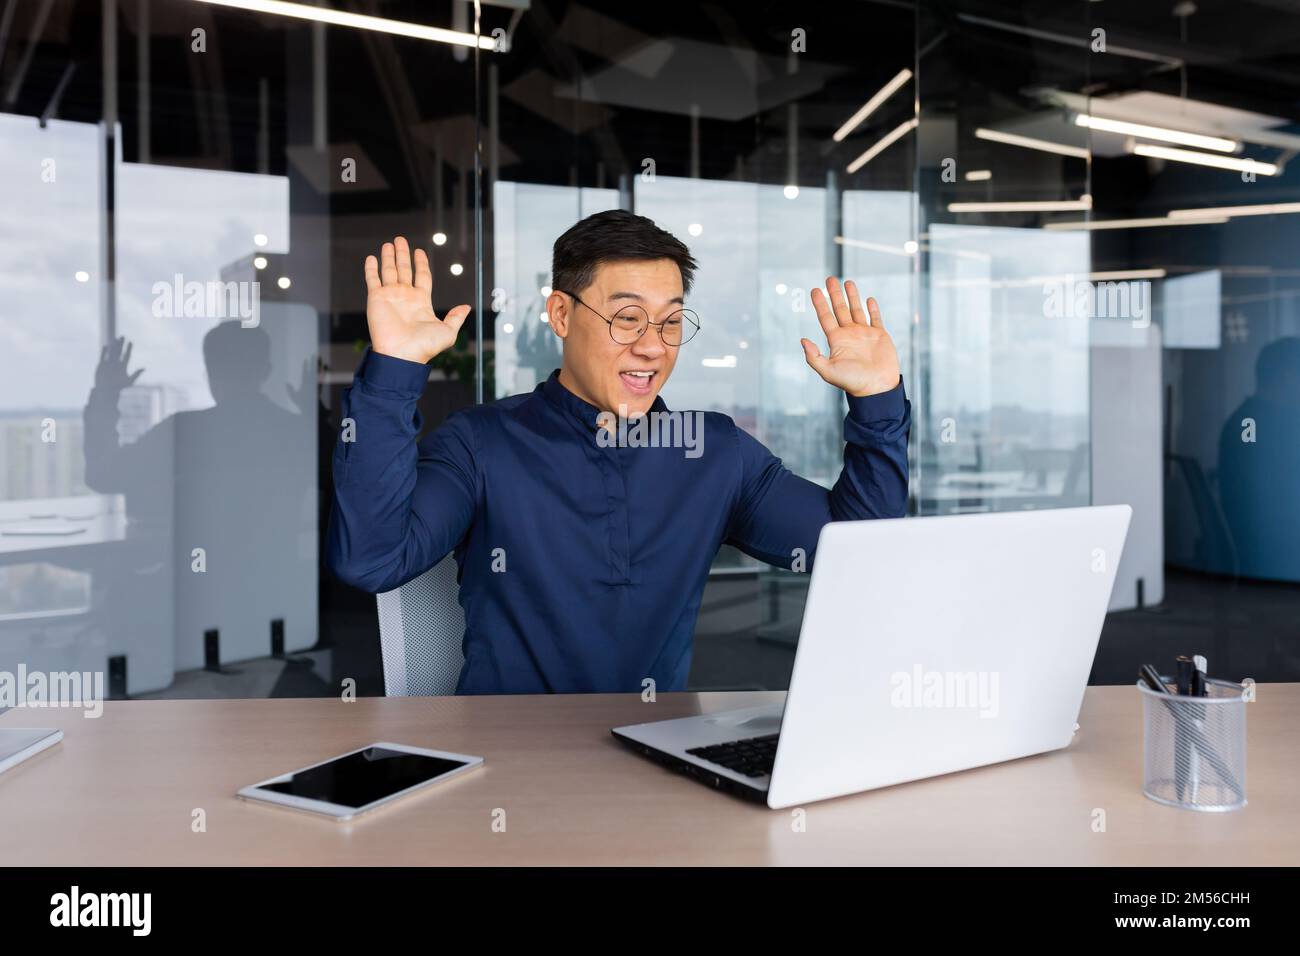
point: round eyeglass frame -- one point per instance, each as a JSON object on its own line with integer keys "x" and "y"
{"x": 690, "y": 319}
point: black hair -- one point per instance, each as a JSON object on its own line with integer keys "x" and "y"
{"x": 235, "y": 353}
{"x": 1275, "y": 360}
{"x": 615, "y": 235}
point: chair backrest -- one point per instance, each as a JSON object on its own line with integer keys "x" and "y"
{"x": 421, "y": 627}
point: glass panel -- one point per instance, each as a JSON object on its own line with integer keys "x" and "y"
{"x": 216, "y": 461}
{"x": 1003, "y": 354}
{"x": 52, "y": 293}
{"x": 180, "y": 320}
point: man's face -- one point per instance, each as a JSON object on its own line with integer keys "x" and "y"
{"x": 598, "y": 369}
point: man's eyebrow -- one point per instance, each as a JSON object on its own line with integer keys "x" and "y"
{"x": 675, "y": 300}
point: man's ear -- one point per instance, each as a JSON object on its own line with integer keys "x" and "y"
{"x": 557, "y": 311}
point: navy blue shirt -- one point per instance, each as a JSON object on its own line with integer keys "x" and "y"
{"x": 582, "y": 561}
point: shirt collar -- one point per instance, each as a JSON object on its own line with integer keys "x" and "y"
{"x": 584, "y": 411}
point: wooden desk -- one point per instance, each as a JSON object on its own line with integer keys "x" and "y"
{"x": 120, "y": 790}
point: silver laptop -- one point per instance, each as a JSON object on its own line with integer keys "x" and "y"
{"x": 929, "y": 645}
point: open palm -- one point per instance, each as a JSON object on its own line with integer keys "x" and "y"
{"x": 112, "y": 374}
{"x": 862, "y": 359}
{"x": 399, "y": 306}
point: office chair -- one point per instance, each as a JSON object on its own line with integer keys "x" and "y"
{"x": 421, "y": 626}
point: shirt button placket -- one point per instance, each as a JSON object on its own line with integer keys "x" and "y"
{"x": 617, "y": 530}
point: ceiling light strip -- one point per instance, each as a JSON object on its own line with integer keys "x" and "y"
{"x": 360, "y": 21}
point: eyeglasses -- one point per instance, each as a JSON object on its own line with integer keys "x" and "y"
{"x": 631, "y": 321}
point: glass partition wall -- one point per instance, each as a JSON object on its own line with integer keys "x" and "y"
{"x": 1004, "y": 377}
{"x": 190, "y": 189}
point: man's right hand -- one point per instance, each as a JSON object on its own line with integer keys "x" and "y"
{"x": 111, "y": 374}
{"x": 399, "y": 306}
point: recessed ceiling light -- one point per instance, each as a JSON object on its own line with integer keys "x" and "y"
{"x": 1031, "y": 142}
{"x": 898, "y": 132}
{"x": 340, "y": 18}
{"x": 1151, "y": 222}
{"x": 1232, "y": 212}
{"x": 1047, "y": 205}
{"x": 1207, "y": 159}
{"x": 871, "y": 105}
{"x": 1161, "y": 133}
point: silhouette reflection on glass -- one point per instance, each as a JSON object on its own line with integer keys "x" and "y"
{"x": 220, "y": 519}
{"x": 1259, "y": 459}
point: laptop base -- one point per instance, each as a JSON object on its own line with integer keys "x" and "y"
{"x": 707, "y": 777}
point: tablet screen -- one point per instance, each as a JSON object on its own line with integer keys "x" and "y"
{"x": 364, "y": 777}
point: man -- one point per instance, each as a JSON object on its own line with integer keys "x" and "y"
{"x": 583, "y": 558}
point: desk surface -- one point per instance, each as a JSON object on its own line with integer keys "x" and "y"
{"x": 121, "y": 790}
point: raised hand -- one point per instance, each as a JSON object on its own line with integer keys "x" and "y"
{"x": 114, "y": 359}
{"x": 399, "y": 306}
{"x": 862, "y": 359}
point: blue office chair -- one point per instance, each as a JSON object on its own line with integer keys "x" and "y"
{"x": 421, "y": 627}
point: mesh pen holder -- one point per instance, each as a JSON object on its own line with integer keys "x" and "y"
{"x": 1194, "y": 748}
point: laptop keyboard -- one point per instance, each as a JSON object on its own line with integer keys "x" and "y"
{"x": 752, "y": 757}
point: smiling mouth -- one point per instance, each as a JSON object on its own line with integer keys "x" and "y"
{"x": 638, "y": 382}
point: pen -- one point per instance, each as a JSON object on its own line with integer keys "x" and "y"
{"x": 1191, "y": 683}
{"x": 1182, "y": 756}
{"x": 1148, "y": 675}
{"x": 1185, "y": 756}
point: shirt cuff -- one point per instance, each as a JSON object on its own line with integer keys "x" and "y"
{"x": 884, "y": 406}
{"x": 392, "y": 374}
